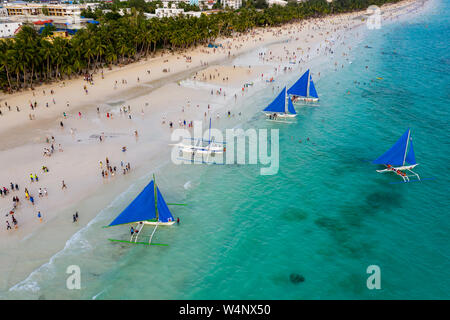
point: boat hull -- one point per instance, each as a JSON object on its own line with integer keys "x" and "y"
{"x": 158, "y": 223}
{"x": 399, "y": 168}
{"x": 304, "y": 99}
{"x": 281, "y": 115}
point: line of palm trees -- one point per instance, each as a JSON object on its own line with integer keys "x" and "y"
{"x": 32, "y": 58}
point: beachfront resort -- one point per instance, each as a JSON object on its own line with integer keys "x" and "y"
{"x": 119, "y": 120}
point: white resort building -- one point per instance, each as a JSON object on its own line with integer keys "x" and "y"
{"x": 167, "y": 11}
{"x": 171, "y": 11}
{"x": 278, "y": 2}
{"x": 21, "y": 8}
{"x": 232, "y": 4}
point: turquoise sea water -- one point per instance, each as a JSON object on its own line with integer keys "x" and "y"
{"x": 326, "y": 215}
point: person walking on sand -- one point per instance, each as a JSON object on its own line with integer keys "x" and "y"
{"x": 15, "y": 223}
{"x": 8, "y": 226}
{"x": 39, "y": 216}
{"x": 63, "y": 185}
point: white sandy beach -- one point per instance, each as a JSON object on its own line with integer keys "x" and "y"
{"x": 155, "y": 98}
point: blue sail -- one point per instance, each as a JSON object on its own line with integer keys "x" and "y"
{"x": 312, "y": 90}
{"x": 278, "y": 105}
{"x": 410, "y": 157}
{"x": 291, "y": 106}
{"x": 300, "y": 88}
{"x": 164, "y": 214}
{"x": 140, "y": 209}
{"x": 396, "y": 154}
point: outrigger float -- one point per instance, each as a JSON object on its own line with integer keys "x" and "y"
{"x": 304, "y": 90}
{"x": 276, "y": 110}
{"x": 147, "y": 209}
{"x": 399, "y": 159}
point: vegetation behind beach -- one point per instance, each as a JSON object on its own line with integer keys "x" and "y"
{"x": 32, "y": 58}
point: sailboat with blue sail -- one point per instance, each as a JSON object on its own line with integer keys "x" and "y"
{"x": 277, "y": 108}
{"x": 304, "y": 90}
{"x": 399, "y": 158}
{"x": 148, "y": 208}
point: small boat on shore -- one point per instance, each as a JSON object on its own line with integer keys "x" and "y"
{"x": 304, "y": 90}
{"x": 399, "y": 159}
{"x": 276, "y": 110}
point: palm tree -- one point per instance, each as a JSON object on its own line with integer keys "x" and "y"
{"x": 111, "y": 55}
{"x": 46, "y": 52}
{"x": 61, "y": 53}
{"x": 5, "y": 59}
{"x": 89, "y": 51}
{"x": 99, "y": 49}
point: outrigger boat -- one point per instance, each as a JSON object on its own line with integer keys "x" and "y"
{"x": 276, "y": 110}
{"x": 148, "y": 208}
{"x": 399, "y": 159}
{"x": 211, "y": 149}
{"x": 304, "y": 90}
{"x": 208, "y": 148}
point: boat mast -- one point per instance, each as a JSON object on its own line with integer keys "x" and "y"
{"x": 307, "y": 87}
{"x": 406, "y": 149}
{"x": 156, "y": 207}
{"x": 286, "y": 96}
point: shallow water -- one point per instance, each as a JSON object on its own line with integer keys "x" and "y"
{"x": 327, "y": 215}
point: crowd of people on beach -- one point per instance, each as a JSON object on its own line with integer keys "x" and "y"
{"x": 28, "y": 195}
{"x": 109, "y": 170}
{"x": 301, "y": 47}
{"x": 34, "y": 183}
